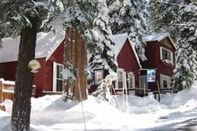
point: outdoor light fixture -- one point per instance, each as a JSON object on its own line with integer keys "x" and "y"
{"x": 34, "y": 65}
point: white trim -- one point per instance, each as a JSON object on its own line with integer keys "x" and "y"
{"x": 171, "y": 54}
{"x": 123, "y": 76}
{"x": 54, "y": 49}
{"x": 161, "y": 53}
{"x": 55, "y": 75}
{"x": 135, "y": 53}
{"x": 131, "y": 76}
{"x": 172, "y": 59}
{"x": 167, "y": 78}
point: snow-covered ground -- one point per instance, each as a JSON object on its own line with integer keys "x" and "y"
{"x": 174, "y": 112}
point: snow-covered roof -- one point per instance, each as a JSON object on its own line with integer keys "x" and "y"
{"x": 46, "y": 44}
{"x": 119, "y": 40}
{"x": 157, "y": 37}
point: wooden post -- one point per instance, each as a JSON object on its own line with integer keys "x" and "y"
{"x": 158, "y": 90}
{"x": 144, "y": 89}
{"x": 1, "y": 91}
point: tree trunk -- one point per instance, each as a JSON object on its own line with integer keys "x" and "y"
{"x": 24, "y": 79}
{"x": 76, "y": 54}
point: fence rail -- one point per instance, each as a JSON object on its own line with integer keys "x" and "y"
{"x": 7, "y": 90}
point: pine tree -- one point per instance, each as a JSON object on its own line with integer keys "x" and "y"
{"x": 128, "y": 17}
{"x": 22, "y": 18}
{"x": 103, "y": 90}
{"x": 163, "y": 17}
{"x": 185, "y": 72}
{"x": 96, "y": 31}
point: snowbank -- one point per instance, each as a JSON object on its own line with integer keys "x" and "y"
{"x": 50, "y": 113}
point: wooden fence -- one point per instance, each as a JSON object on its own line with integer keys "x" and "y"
{"x": 7, "y": 90}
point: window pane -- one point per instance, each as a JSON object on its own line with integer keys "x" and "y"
{"x": 166, "y": 55}
{"x": 119, "y": 76}
{"x": 59, "y": 69}
{"x": 130, "y": 82}
{"x": 143, "y": 80}
{"x": 120, "y": 84}
{"x": 120, "y": 79}
{"x": 59, "y": 85}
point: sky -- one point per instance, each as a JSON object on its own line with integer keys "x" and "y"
{"x": 176, "y": 111}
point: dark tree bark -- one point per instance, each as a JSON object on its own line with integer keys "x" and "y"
{"x": 24, "y": 79}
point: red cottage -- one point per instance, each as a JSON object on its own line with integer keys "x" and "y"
{"x": 128, "y": 64}
{"x": 49, "y": 52}
{"x": 160, "y": 52}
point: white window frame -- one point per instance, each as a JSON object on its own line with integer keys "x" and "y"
{"x": 166, "y": 78}
{"x": 123, "y": 77}
{"x": 171, "y": 55}
{"x": 55, "y": 76}
{"x": 142, "y": 85}
{"x": 131, "y": 77}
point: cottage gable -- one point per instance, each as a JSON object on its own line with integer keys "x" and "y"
{"x": 46, "y": 43}
{"x": 160, "y": 52}
{"x": 120, "y": 40}
{"x": 166, "y": 42}
{"x": 163, "y": 38}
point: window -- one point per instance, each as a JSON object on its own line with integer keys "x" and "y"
{"x": 143, "y": 82}
{"x": 166, "y": 55}
{"x": 165, "y": 81}
{"x": 121, "y": 77}
{"x": 98, "y": 76}
{"x": 57, "y": 77}
{"x": 131, "y": 80}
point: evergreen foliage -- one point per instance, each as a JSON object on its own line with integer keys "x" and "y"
{"x": 93, "y": 14}
{"x": 179, "y": 18}
{"x": 22, "y": 18}
{"x": 103, "y": 90}
{"x": 25, "y": 18}
{"x": 163, "y": 17}
{"x": 185, "y": 72}
{"x": 128, "y": 17}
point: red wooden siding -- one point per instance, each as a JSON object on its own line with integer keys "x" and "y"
{"x": 165, "y": 68}
{"x": 8, "y": 70}
{"x": 39, "y": 77}
{"x": 57, "y": 56}
{"x": 127, "y": 61}
{"x": 152, "y": 52}
{"x": 43, "y": 79}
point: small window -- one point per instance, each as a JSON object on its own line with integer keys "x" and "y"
{"x": 98, "y": 76}
{"x": 143, "y": 82}
{"x": 121, "y": 76}
{"x": 57, "y": 77}
{"x": 165, "y": 81}
{"x": 166, "y": 55}
{"x": 131, "y": 80}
